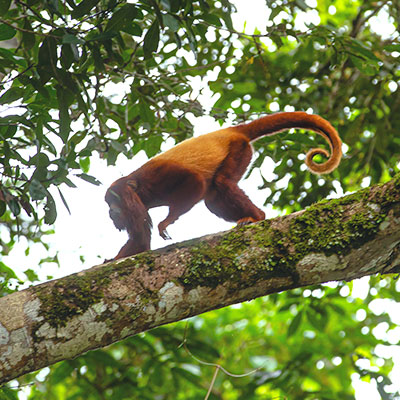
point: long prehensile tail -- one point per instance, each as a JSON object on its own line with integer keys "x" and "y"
{"x": 278, "y": 122}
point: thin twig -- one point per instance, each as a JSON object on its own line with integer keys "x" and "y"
{"x": 17, "y": 28}
{"x": 212, "y": 383}
{"x": 184, "y": 344}
{"x": 359, "y": 21}
{"x": 38, "y": 16}
{"x": 15, "y": 77}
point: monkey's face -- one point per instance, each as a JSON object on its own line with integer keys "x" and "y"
{"x": 116, "y": 213}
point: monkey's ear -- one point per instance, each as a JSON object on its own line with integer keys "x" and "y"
{"x": 132, "y": 184}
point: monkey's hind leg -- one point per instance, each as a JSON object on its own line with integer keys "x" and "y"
{"x": 224, "y": 198}
{"x": 229, "y": 202}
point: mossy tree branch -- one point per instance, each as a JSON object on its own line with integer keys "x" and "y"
{"x": 338, "y": 239}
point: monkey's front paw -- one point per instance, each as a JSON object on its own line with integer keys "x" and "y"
{"x": 164, "y": 235}
{"x": 163, "y": 232}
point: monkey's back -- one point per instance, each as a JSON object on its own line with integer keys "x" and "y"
{"x": 202, "y": 154}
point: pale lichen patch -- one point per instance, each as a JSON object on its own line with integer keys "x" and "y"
{"x": 79, "y": 335}
{"x": 149, "y": 309}
{"x": 114, "y": 307}
{"x": 20, "y": 347}
{"x": 99, "y": 307}
{"x": 371, "y": 265}
{"x": 46, "y": 331}
{"x": 374, "y": 207}
{"x": 93, "y": 333}
{"x": 11, "y": 310}
{"x": 127, "y": 331}
{"x": 32, "y": 308}
{"x": 119, "y": 289}
{"x": 319, "y": 262}
{"x": 171, "y": 296}
{"x": 194, "y": 295}
{"x": 4, "y": 335}
{"x": 385, "y": 224}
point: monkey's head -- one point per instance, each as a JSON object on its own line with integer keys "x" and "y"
{"x": 116, "y": 213}
{"x": 126, "y": 208}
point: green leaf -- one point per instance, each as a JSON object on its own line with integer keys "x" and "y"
{"x": 101, "y": 37}
{"x": 37, "y": 190}
{"x": 12, "y": 94}
{"x": 71, "y": 39}
{"x": 67, "y": 56}
{"x": 166, "y": 4}
{"x": 7, "y": 32}
{"x": 47, "y": 59}
{"x": 7, "y": 132}
{"x": 31, "y": 275}
{"x": 392, "y": 47}
{"x": 50, "y": 210}
{"x": 152, "y": 145}
{"x": 61, "y": 372}
{"x": 228, "y": 20}
{"x": 316, "y": 319}
{"x": 64, "y": 200}
{"x": 28, "y": 38}
{"x": 211, "y": 19}
{"x": 360, "y": 50}
{"x": 119, "y": 147}
{"x": 40, "y": 160}
{"x": 64, "y": 117}
{"x": 14, "y": 207}
{"x": 9, "y": 56}
{"x": 6, "y": 271}
{"x": 48, "y": 52}
{"x": 187, "y": 375}
{"x": 151, "y": 39}
{"x": 3, "y": 208}
{"x": 97, "y": 59}
{"x": 295, "y": 324}
{"x": 146, "y": 112}
{"x": 302, "y": 5}
{"x": 171, "y": 22}
{"x": 4, "y": 6}
{"x": 133, "y": 29}
{"x": 83, "y": 8}
{"x": 363, "y": 66}
{"x": 122, "y": 17}
{"x": 85, "y": 164}
{"x": 89, "y": 178}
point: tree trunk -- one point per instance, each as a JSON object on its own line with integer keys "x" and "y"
{"x": 340, "y": 239}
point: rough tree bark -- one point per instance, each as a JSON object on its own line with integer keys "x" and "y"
{"x": 338, "y": 239}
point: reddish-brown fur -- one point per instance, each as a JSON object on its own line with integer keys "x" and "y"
{"x": 208, "y": 167}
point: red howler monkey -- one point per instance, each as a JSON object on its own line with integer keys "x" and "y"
{"x": 207, "y": 167}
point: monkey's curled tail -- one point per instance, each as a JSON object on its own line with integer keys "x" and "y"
{"x": 278, "y": 122}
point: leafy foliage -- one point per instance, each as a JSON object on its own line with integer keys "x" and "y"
{"x": 111, "y": 77}
{"x": 64, "y": 61}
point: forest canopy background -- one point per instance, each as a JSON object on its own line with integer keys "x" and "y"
{"x": 61, "y": 65}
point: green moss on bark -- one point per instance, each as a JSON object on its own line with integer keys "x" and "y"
{"x": 72, "y": 296}
{"x": 330, "y": 227}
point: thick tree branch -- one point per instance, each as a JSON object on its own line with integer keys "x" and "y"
{"x": 333, "y": 240}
